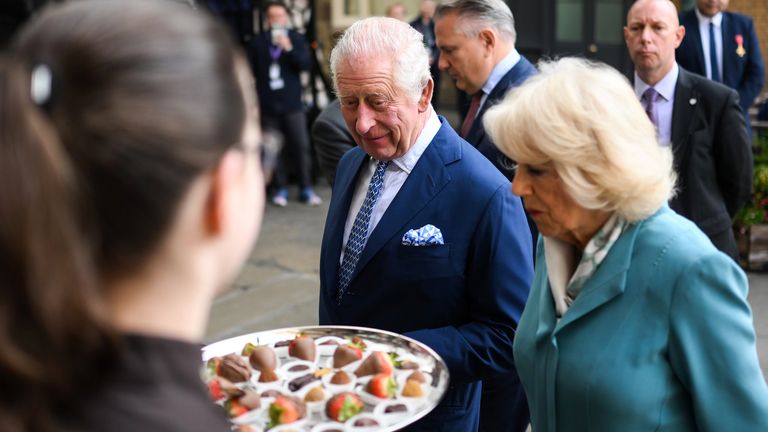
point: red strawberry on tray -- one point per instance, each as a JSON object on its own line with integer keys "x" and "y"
{"x": 234, "y": 408}
{"x": 286, "y": 409}
{"x": 220, "y": 388}
{"x": 382, "y": 386}
{"x": 343, "y": 406}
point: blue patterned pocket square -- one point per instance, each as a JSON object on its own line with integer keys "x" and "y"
{"x": 424, "y": 236}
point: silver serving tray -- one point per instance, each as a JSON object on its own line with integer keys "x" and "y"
{"x": 429, "y": 361}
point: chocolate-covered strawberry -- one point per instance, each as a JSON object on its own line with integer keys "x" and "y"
{"x": 286, "y": 409}
{"x": 221, "y": 388}
{"x": 262, "y": 357}
{"x": 231, "y": 367}
{"x": 268, "y": 375}
{"x": 377, "y": 362}
{"x": 343, "y": 406}
{"x": 303, "y": 347}
{"x": 346, "y": 354}
{"x": 382, "y": 386}
{"x": 250, "y": 399}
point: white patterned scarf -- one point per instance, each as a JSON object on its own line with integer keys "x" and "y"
{"x": 565, "y": 282}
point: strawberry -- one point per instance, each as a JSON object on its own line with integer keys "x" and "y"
{"x": 234, "y": 408}
{"x": 214, "y": 388}
{"x": 302, "y": 347}
{"x": 285, "y": 410}
{"x": 358, "y": 342}
{"x": 382, "y": 386}
{"x": 343, "y": 406}
{"x": 377, "y": 362}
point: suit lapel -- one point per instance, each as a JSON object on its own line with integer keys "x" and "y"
{"x": 609, "y": 281}
{"x": 683, "y": 110}
{"x": 427, "y": 178}
{"x": 337, "y": 217}
{"x": 522, "y": 70}
{"x": 729, "y": 49}
{"x": 693, "y": 24}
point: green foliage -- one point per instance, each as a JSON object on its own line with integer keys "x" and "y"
{"x": 756, "y": 210}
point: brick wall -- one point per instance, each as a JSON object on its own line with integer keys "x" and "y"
{"x": 758, "y": 10}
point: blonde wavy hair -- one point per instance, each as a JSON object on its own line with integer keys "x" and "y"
{"x": 585, "y": 118}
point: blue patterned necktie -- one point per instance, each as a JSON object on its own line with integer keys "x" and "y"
{"x": 713, "y": 54}
{"x": 359, "y": 234}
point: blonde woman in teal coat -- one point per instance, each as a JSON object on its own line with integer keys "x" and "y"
{"x": 635, "y": 322}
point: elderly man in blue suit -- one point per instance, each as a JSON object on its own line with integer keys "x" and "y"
{"x": 737, "y": 61}
{"x": 423, "y": 235}
{"x": 477, "y": 49}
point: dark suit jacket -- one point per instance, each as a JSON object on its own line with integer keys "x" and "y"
{"x": 477, "y": 136}
{"x": 712, "y": 157}
{"x": 289, "y": 98}
{"x": 744, "y": 74}
{"x": 504, "y": 408}
{"x": 331, "y": 139}
{"x": 462, "y": 298}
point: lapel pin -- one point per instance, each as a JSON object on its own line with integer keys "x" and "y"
{"x": 692, "y": 101}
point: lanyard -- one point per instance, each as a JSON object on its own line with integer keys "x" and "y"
{"x": 275, "y": 52}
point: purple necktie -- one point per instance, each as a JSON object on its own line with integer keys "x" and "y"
{"x": 649, "y": 99}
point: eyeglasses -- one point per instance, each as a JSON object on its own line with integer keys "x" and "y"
{"x": 268, "y": 149}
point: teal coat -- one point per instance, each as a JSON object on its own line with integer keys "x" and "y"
{"x": 660, "y": 339}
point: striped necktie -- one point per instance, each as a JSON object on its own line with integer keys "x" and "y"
{"x": 359, "y": 234}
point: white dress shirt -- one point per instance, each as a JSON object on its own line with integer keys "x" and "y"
{"x": 497, "y": 73}
{"x": 395, "y": 176}
{"x": 665, "y": 88}
{"x": 704, "y": 21}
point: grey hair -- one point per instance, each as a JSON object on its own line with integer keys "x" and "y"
{"x": 382, "y": 37}
{"x": 474, "y": 15}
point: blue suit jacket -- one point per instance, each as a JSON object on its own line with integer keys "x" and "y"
{"x": 462, "y": 298}
{"x": 660, "y": 339}
{"x": 503, "y": 408}
{"x": 477, "y": 136}
{"x": 743, "y": 74}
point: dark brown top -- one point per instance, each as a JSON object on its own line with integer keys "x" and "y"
{"x": 156, "y": 386}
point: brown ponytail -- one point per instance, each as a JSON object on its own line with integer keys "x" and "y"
{"x": 49, "y": 307}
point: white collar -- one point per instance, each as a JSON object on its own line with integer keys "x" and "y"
{"x": 665, "y": 87}
{"x": 407, "y": 161}
{"x": 717, "y": 20}
{"x": 497, "y": 73}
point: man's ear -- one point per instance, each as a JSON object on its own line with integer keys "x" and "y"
{"x": 488, "y": 37}
{"x": 679, "y": 35}
{"x": 426, "y": 95}
{"x": 219, "y": 192}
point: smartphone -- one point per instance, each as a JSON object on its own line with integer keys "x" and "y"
{"x": 277, "y": 32}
